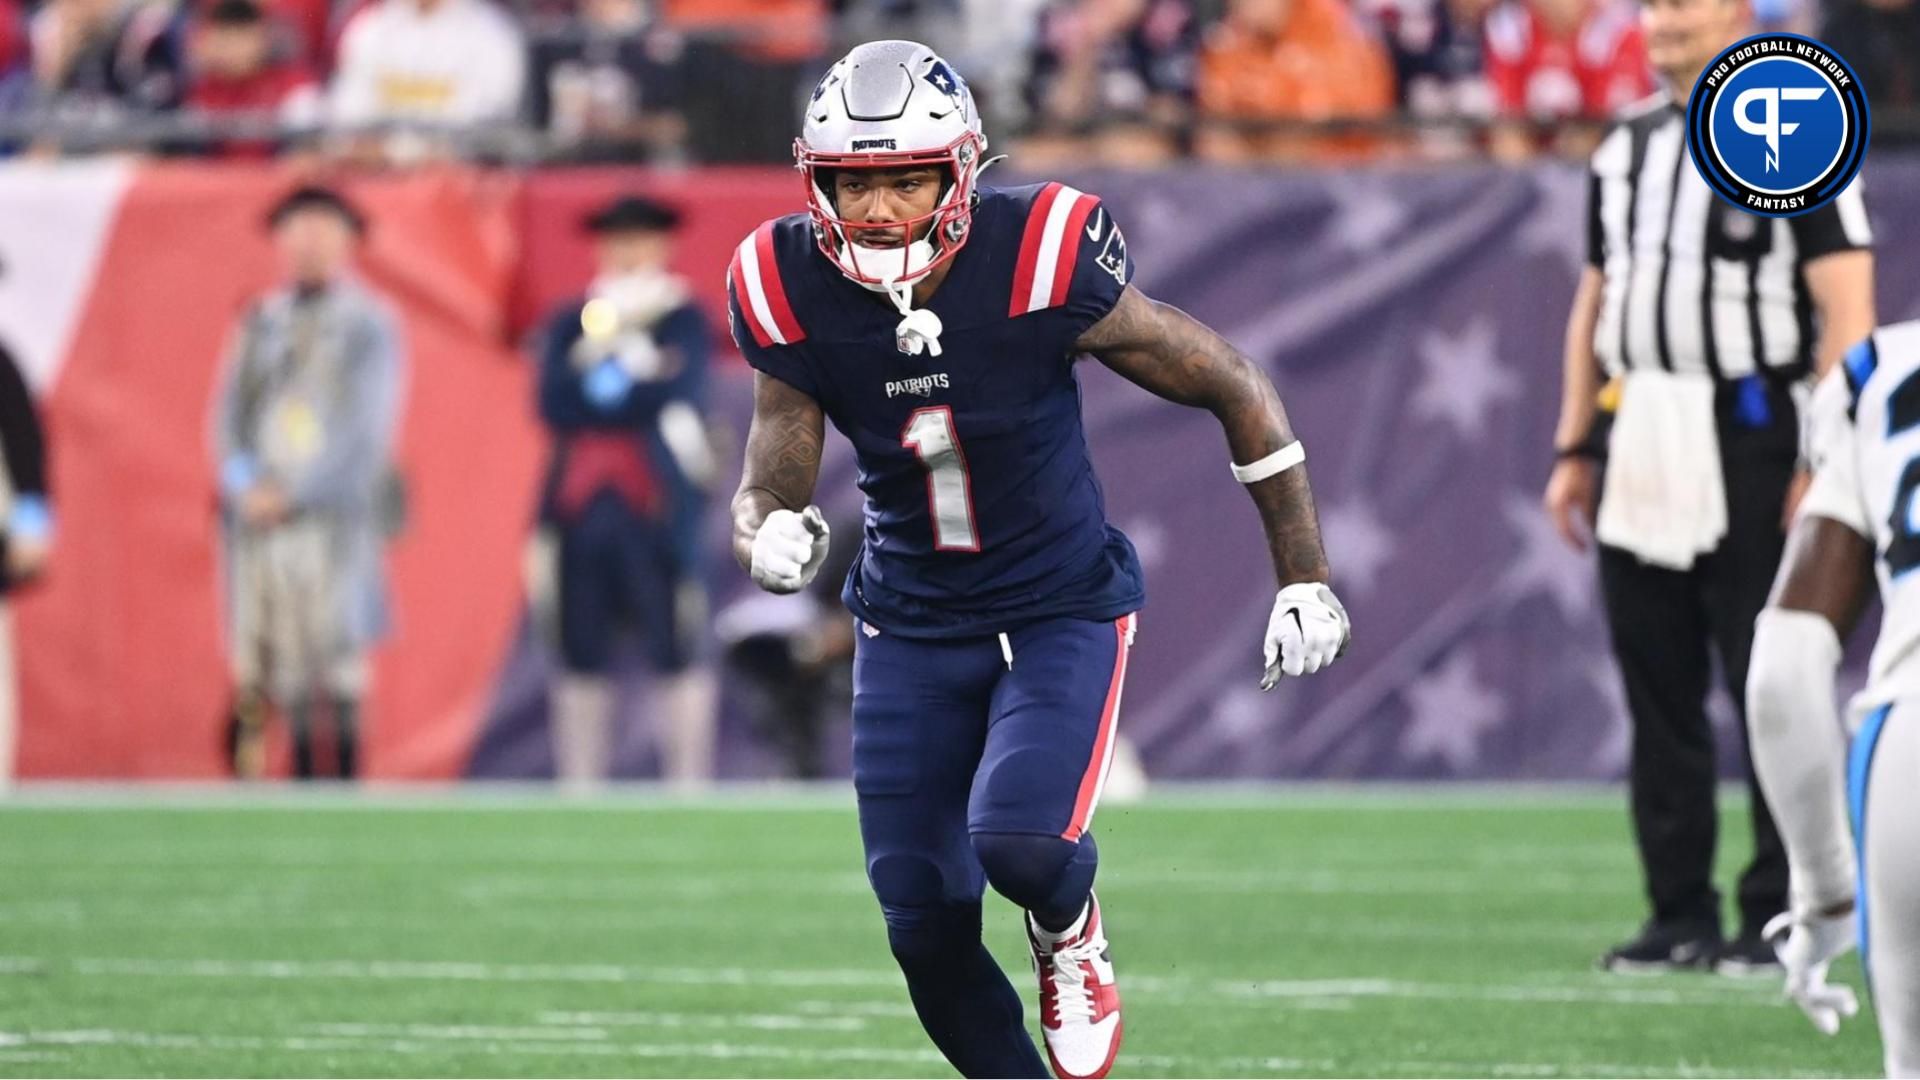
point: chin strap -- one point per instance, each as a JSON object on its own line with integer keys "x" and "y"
{"x": 919, "y": 330}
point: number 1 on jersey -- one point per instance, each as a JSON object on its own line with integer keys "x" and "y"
{"x": 929, "y": 434}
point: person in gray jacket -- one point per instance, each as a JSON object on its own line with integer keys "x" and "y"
{"x": 305, "y": 427}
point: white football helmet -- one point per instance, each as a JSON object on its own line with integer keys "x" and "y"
{"x": 891, "y": 104}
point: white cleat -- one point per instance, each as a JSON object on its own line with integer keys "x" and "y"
{"x": 1079, "y": 1002}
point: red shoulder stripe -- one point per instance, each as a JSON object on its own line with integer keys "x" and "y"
{"x": 1070, "y": 247}
{"x": 776, "y": 292}
{"x": 1028, "y": 263}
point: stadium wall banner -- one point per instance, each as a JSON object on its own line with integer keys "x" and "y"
{"x": 122, "y": 286}
{"x": 1411, "y": 319}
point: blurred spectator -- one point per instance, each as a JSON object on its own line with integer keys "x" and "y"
{"x": 1281, "y": 60}
{"x": 428, "y": 63}
{"x": 622, "y": 382}
{"x": 26, "y": 529}
{"x": 13, "y": 37}
{"x": 303, "y": 432}
{"x": 792, "y": 30}
{"x": 1437, "y": 59}
{"x": 1559, "y": 60}
{"x": 306, "y": 29}
{"x": 237, "y": 74}
{"x": 1125, "y": 65}
{"x": 1881, "y": 40}
{"x": 608, "y": 83}
{"x": 748, "y": 64}
{"x": 94, "y": 59}
{"x": 932, "y": 22}
{"x": 992, "y": 50}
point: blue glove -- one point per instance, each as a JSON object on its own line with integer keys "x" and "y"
{"x": 606, "y": 384}
{"x": 31, "y": 518}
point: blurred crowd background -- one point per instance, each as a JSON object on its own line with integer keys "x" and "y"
{"x": 705, "y": 81}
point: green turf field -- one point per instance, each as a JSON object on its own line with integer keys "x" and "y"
{"x": 1388, "y": 934}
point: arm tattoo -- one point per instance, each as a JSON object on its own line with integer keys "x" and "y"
{"x": 1166, "y": 351}
{"x": 782, "y": 459}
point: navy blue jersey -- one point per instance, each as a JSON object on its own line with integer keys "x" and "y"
{"x": 982, "y": 509}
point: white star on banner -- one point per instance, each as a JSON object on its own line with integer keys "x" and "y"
{"x": 1461, "y": 378}
{"x": 1242, "y": 711}
{"x": 1556, "y": 225}
{"x": 1358, "y": 545}
{"x": 1450, "y": 711}
{"x": 1149, "y": 540}
{"x": 1365, "y": 215}
{"x": 1545, "y": 563}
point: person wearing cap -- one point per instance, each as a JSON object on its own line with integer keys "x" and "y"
{"x": 303, "y": 431}
{"x": 622, "y": 381}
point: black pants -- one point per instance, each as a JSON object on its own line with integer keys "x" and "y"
{"x": 1663, "y": 623}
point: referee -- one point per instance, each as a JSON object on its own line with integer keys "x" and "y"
{"x": 1702, "y": 320}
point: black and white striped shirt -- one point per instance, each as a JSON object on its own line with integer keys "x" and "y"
{"x": 1692, "y": 283}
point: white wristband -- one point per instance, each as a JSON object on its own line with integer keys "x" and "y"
{"x": 1272, "y": 465}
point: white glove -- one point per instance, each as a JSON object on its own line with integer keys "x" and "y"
{"x": 788, "y": 550}
{"x": 1805, "y": 948}
{"x": 1307, "y": 631}
{"x": 918, "y": 331}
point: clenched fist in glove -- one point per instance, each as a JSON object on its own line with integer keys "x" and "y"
{"x": 788, "y": 550}
{"x": 1307, "y": 631}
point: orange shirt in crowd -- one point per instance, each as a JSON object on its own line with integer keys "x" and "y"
{"x": 1323, "y": 64}
{"x": 774, "y": 29}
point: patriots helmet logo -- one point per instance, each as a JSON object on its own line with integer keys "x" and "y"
{"x": 945, "y": 80}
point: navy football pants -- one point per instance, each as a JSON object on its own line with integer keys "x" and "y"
{"x": 970, "y": 771}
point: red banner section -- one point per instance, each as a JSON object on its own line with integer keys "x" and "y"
{"x": 121, "y": 653}
{"x": 122, "y": 658}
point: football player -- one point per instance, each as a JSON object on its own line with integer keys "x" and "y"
{"x": 936, "y": 323}
{"x": 1860, "y": 519}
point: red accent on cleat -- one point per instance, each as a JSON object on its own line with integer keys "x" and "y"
{"x": 1079, "y": 1000}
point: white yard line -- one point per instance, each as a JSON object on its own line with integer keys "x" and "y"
{"x": 376, "y": 1041}
{"x": 336, "y": 1044}
{"x": 1683, "y": 991}
{"x": 464, "y": 971}
{"x": 823, "y": 797}
{"x": 819, "y": 1021}
{"x": 461, "y": 1032}
{"x": 816, "y": 1007}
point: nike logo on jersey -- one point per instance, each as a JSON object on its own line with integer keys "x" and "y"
{"x": 1093, "y": 230}
{"x": 919, "y": 385}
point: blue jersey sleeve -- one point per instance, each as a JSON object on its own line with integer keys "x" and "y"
{"x": 1101, "y": 270}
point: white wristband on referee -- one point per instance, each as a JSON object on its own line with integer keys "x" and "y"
{"x": 1272, "y": 465}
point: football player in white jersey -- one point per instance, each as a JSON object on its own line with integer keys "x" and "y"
{"x": 1860, "y": 520}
